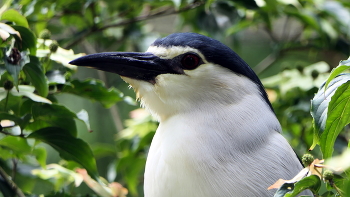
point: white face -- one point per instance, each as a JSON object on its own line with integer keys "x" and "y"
{"x": 207, "y": 85}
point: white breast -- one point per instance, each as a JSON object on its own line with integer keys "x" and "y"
{"x": 211, "y": 152}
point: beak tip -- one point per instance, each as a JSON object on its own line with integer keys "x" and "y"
{"x": 76, "y": 62}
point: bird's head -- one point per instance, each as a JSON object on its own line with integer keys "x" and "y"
{"x": 183, "y": 72}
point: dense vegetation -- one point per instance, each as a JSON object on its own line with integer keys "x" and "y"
{"x": 291, "y": 44}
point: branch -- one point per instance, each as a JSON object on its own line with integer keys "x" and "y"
{"x": 11, "y": 183}
{"x": 265, "y": 63}
{"x": 164, "y": 12}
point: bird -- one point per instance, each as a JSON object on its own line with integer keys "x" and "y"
{"x": 218, "y": 134}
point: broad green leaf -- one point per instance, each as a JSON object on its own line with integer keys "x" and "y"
{"x": 94, "y": 90}
{"x": 28, "y": 39}
{"x": 320, "y": 105}
{"x": 338, "y": 117}
{"x": 312, "y": 182}
{"x": 343, "y": 65}
{"x": 17, "y": 144}
{"x": 54, "y": 115}
{"x": 69, "y": 147}
{"x": 36, "y": 76}
{"x": 14, "y": 16}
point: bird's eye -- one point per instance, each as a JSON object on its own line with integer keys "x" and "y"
{"x": 190, "y": 61}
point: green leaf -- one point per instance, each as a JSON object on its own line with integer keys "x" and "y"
{"x": 312, "y": 182}
{"x": 36, "y": 76}
{"x": 54, "y": 115}
{"x": 94, "y": 90}
{"x": 343, "y": 65}
{"x": 338, "y": 117}
{"x": 40, "y": 155}
{"x": 14, "y": 16}
{"x": 320, "y": 105}
{"x": 28, "y": 39}
{"x": 69, "y": 147}
{"x": 23, "y": 90}
{"x": 346, "y": 186}
{"x": 17, "y": 144}
{"x": 285, "y": 188}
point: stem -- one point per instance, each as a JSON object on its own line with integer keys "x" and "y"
{"x": 14, "y": 162}
{"x": 12, "y": 184}
{"x": 7, "y": 98}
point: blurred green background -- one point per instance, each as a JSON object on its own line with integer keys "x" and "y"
{"x": 291, "y": 44}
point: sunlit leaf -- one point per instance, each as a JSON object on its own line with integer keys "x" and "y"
{"x": 94, "y": 90}
{"x": 59, "y": 175}
{"x": 61, "y": 56}
{"x": 6, "y": 30}
{"x": 23, "y": 90}
{"x": 320, "y": 111}
{"x": 18, "y": 144}
{"x": 312, "y": 182}
{"x": 14, "y": 16}
{"x": 338, "y": 117}
{"x": 343, "y": 65}
{"x": 69, "y": 147}
{"x": 36, "y": 76}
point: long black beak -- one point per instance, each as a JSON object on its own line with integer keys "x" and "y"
{"x": 142, "y": 66}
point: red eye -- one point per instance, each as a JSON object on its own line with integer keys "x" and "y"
{"x": 190, "y": 61}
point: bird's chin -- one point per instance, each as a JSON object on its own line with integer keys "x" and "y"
{"x": 140, "y": 87}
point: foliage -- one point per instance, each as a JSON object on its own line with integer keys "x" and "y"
{"x": 34, "y": 72}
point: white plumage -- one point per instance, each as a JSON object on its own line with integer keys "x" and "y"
{"x": 218, "y": 135}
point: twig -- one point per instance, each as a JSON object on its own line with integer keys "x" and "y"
{"x": 272, "y": 36}
{"x": 265, "y": 63}
{"x": 11, "y": 183}
{"x": 164, "y": 12}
